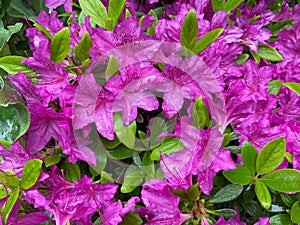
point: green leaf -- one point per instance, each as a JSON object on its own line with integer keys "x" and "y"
{"x": 227, "y": 213}
{"x": 5, "y": 34}
{"x": 269, "y": 53}
{"x": 263, "y": 194}
{"x": 271, "y": 156}
{"x": 189, "y": 30}
{"x": 207, "y": 39}
{"x": 14, "y": 121}
{"x": 274, "y": 87}
{"x": 126, "y": 134}
{"x": 52, "y": 160}
{"x": 13, "y": 64}
{"x": 242, "y": 59}
{"x": 60, "y": 45}
{"x": 1, "y": 84}
{"x": 148, "y": 166}
{"x": 71, "y": 171}
{"x": 217, "y": 5}
{"x": 83, "y": 48}
{"x": 42, "y": 29}
{"x": 295, "y": 212}
{"x": 227, "y": 193}
{"x": 31, "y": 173}
{"x": 19, "y": 10}
{"x": 115, "y": 9}
{"x": 132, "y": 179}
{"x": 9, "y": 179}
{"x": 112, "y": 67}
{"x": 150, "y": 30}
{"x": 232, "y": 4}
{"x": 255, "y": 57}
{"x": 200, "y": 116}
{"x": 9, "y": 204}
{"x": 168, "y": 146}
{"x": 121, "y": 152}
{"x": 281, "y": 219}
{"x": 249, "y": 156}
{"x": 289, "y": 157}
{"x": 132, "y": 219}
{"x": 191, "y": 194}
{"x": 253, "y": 208}
{"x": 105, "y": 178}
{"x": 288, "y": 200}
{"x": 96, "y": 10}
{"x": 158, "y": 126}
{"x": 295, "y": 87}
{"x": 284, "y": 180}
{"x": 241, "y": 175}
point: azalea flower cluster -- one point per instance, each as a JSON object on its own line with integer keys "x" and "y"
{"x": 68, "y": 100}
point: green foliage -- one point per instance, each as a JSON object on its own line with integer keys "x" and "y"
{"x": 60, "y": 45}
{"x": 82, "y": 49}
{"x": 13, "y": 64}
{"x": 281, "y": 219}
{"x": 167, "y": 146}
{"x": 189, "y": 30}
{"x": 112, "y": 67}
{"x": 200, "y": 116}
{"x": 274, "y": 87}
{"x": 115, "y": 8}
{"x": 295, "y": 87}
{"x": 9, "y": 204}
{"x": 14, "y": 120}
{"x": 295, "y": 212}
{"x": 31, "y": 173}
{"x": 249, "y": 156}
{"x": 284, "y": 180}
{"x": 263, "y": 194}
{"x": 241, "y": 175}
{"x": 71, "y": 171}
{"x": 227, "y": 193}
{"x": 269, "y": 53}
{"x": 5, "y": 34}
{"x": 126, "y": 134}
{"x": 271, "y": 156}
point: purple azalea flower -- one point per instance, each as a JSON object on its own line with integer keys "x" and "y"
{"x": 161, "y": 204}
{"x": 263, "y": 221}
{"x": 78, "y": 201}
{"x": 131, "y": 91}
{"x": 15, "y": 158}
{"x": 232, "y": 221}
{"x": 55, "y": 3}
{"x": 31, "y": 218}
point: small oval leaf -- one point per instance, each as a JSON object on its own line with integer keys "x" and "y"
{"x": 227, "y": 193}
{"x": 271, "y": 156}
{"x": 263, "y": 194}
{"x": 126, "y": 134}
{"x": 31, "y": 173}
{"x": 241, "y": 175}
{"x": 268, "y": 53}
{"x": 295, "y": 212}
{"x": 189, "y": 30}
{"x": 295, "y": 87}
{"x": 281, "y": 219}
{"x": 60, "y": 45}
{"x": 284, "y": 180}
{"x": 249, "y": 156}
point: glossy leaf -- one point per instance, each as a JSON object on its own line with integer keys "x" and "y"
{"x": 60, "y": 45}
{"x": 227, "y": 213}
{"x": 168, "y": 146}
{"x": 232, "y": 4}
{"x": 14, "y": 120}
{"x": 83, "y": 48}
{"x": 105, "y": 178}
{"x": 9, "y": 179}
{"x": 263, "y": 194}
{"x": 132, "y": 179}
{"x": 200, "y": 116}
{"x": 217, "y": 5}
{"x": 274, "y": 87}
{"x": 9, "y": 204}
{"x": 13, "y": 64}
{"x": 284, "y": 180}
{"x": 189, "y": 30}
{"x": 242, "y": 59}
{"x": 121, "y": 152}
{"x": 295, "y": 87}
{"x": 115, "y": 9}
{"x": 271, "y": 156}
{"x": 112, "y": 67}
{"x": 132, "y": 219}
{"x": 31, "y": 173}
{"x": 158, "y": 126}
{"x": 295, "y": 212}
{"x": 281, "y": 219}
{"x": 268, "y": 53}
{"x": 71, "y": 171}
{"x": 126, "y": 134}
{"x": 288, "y": 200}
{"x": 241, "y": 175}
{"x": 18, "y": 9}
{"x": 207, "y": 39}
{"x": 52, "y": 160}
{"x": 5, "y": 34}
{"x": 249, "y": 156}
{"x": 150, "y": 30}
{"x": 227, "y": 193}
{"x": 96, "y": 10}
